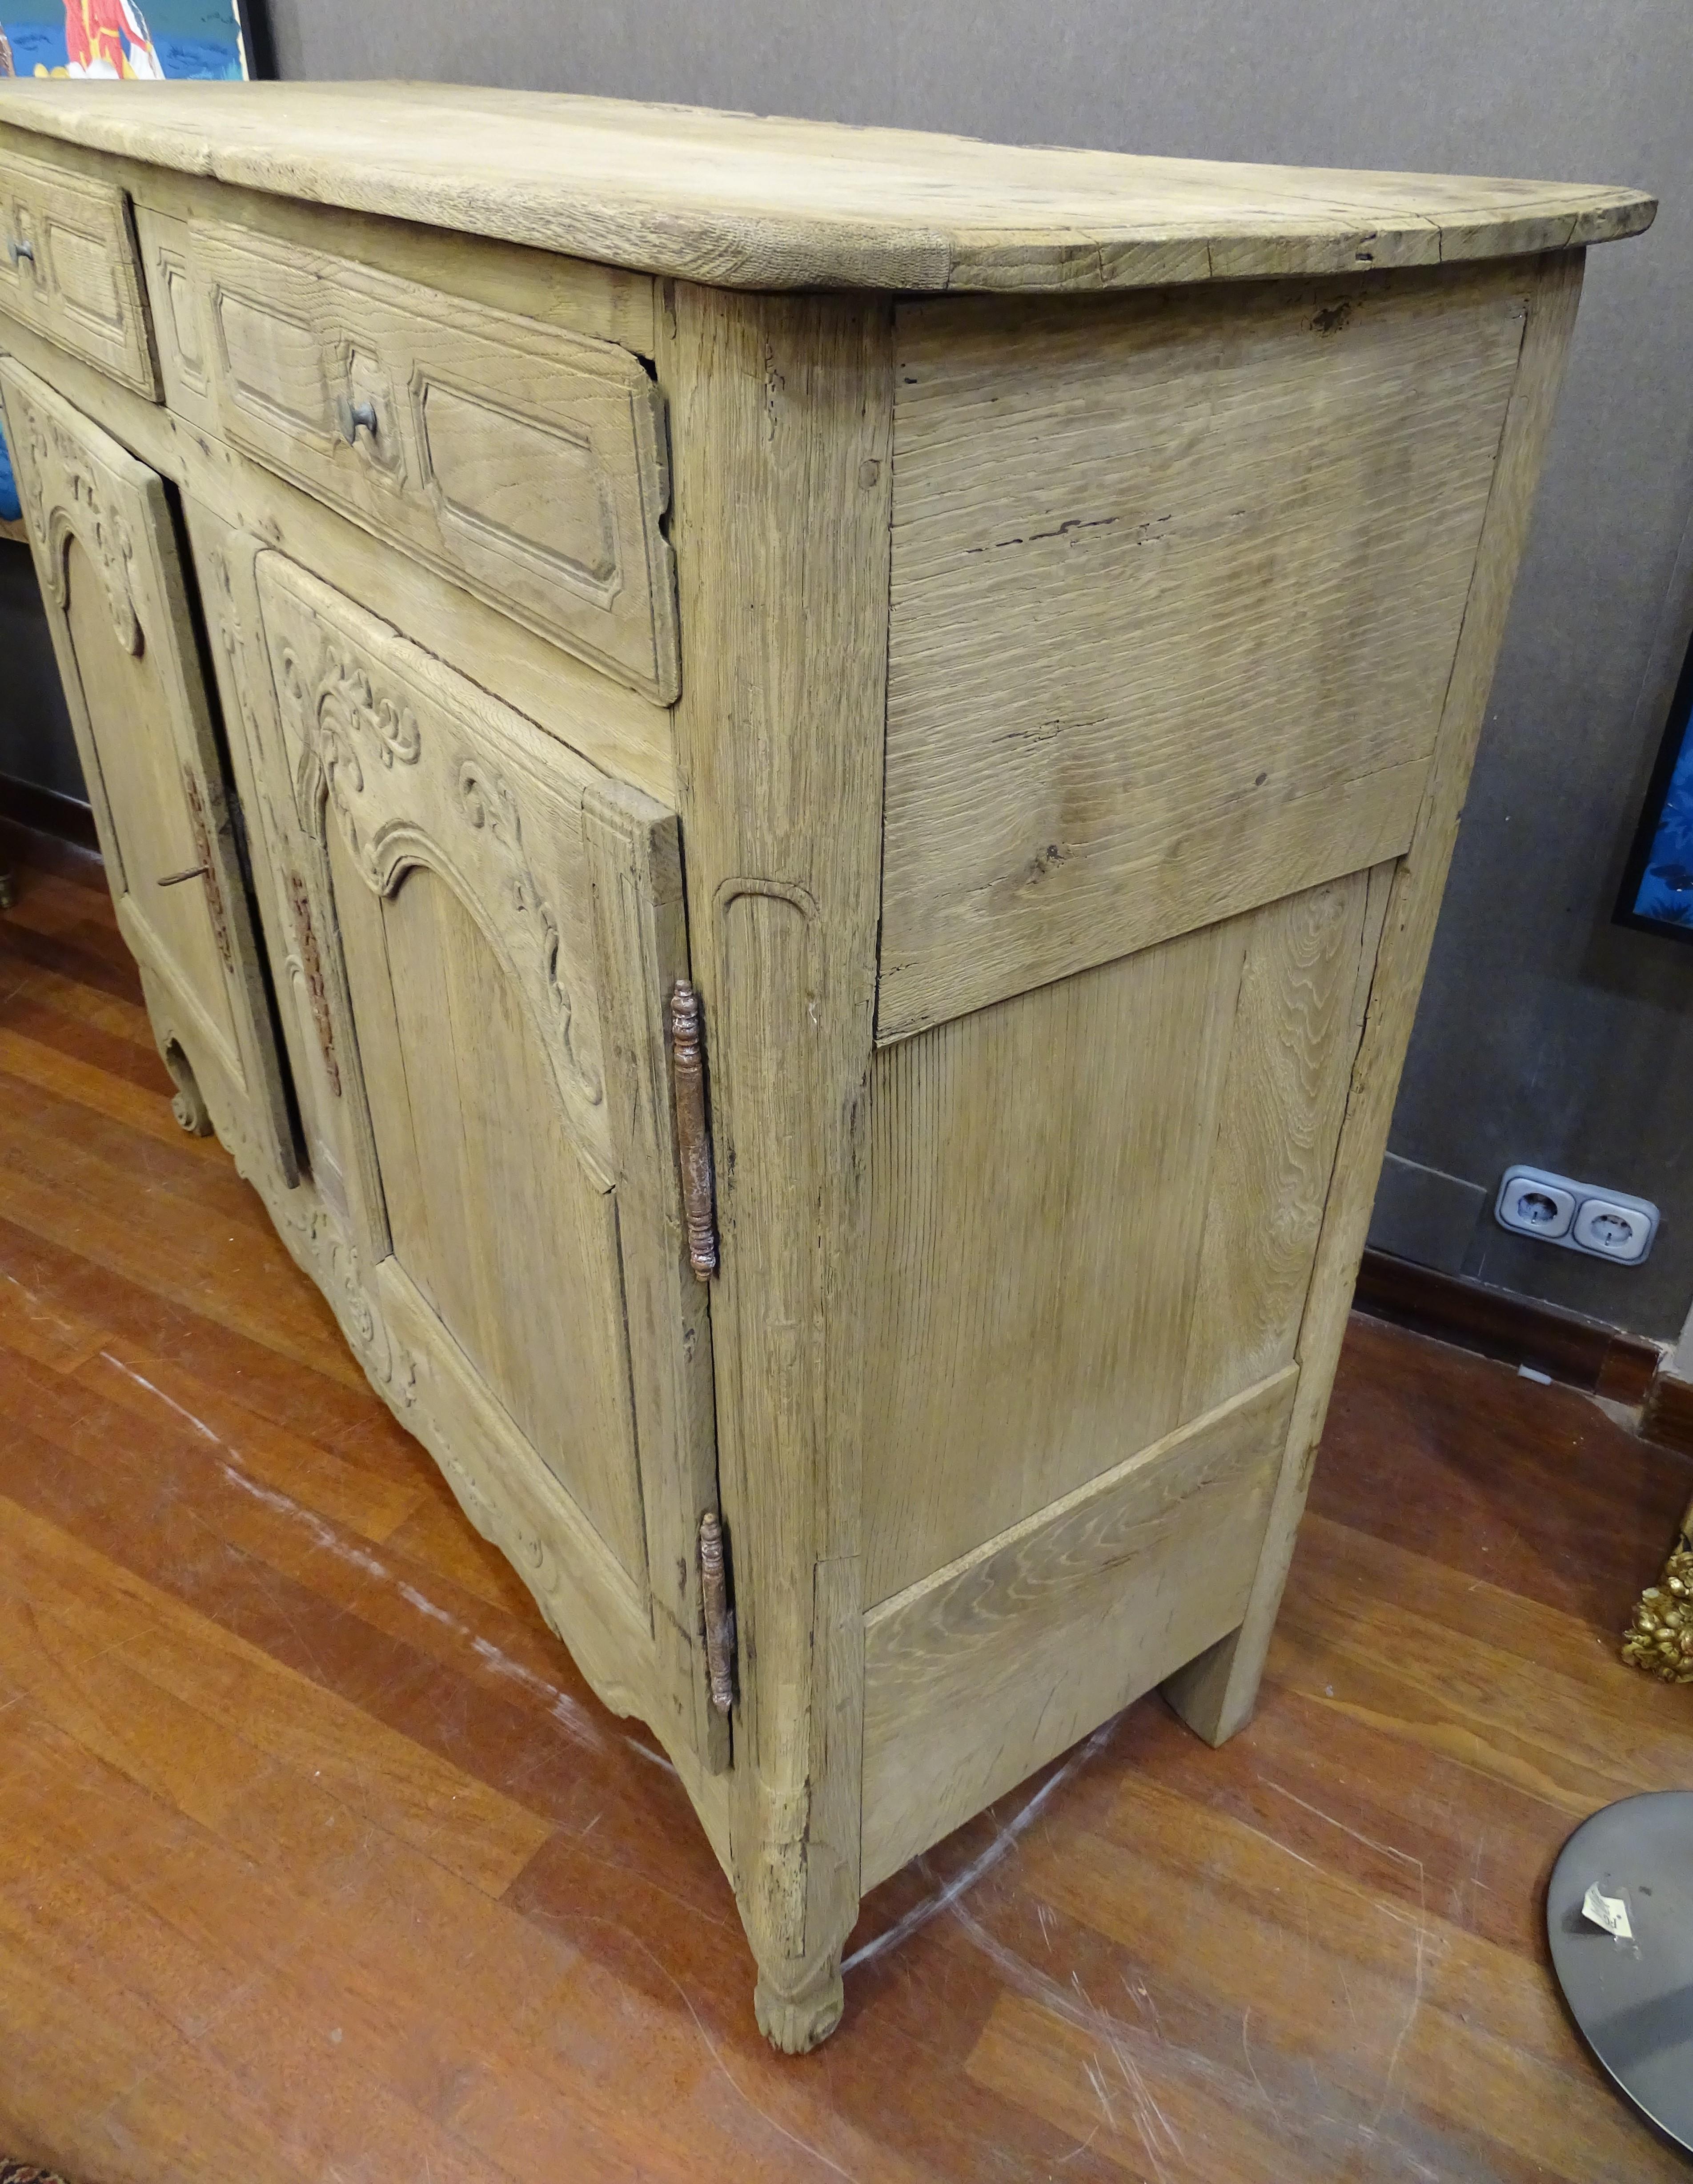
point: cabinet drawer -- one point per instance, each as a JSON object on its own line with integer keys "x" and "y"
{"x": 527, "y": 463}
{"x": 69, "y": 268}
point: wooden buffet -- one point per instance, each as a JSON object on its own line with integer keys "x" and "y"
{"x": 989, "y": 644}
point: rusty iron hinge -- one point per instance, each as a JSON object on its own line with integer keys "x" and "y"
{"x": 206, "y": 867}
{"x": 693, "y": 1139}
{"x": 311, "y": 967}
{"x": 719, "y": 1615}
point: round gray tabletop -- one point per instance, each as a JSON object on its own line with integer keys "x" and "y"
{"x": 1633, "y": 1999}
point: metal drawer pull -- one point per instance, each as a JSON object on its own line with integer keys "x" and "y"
{"x": 193, "y": 873}
{"x": 358, "y": 414}
{"x": 15, "y": 250}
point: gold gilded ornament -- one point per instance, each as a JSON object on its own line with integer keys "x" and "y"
{"x": 1659, "y": 1638}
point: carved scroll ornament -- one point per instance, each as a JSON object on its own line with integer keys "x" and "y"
{"x": 347, "y": 721}
{"x": 64, "y": 496}
{"x": 486, "y": 799}
{"x": 341, "y": 717}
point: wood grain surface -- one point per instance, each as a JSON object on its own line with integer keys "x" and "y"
{"x": 317, "y": 1858}
{"x": 746, "y": 202}
{"x": 1216, "y": 1695}
{"x": 1177, "y": 581}
{"x": 1093, "y": 1213}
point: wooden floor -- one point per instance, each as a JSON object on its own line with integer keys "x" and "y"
{"x": 318, "y": 1861}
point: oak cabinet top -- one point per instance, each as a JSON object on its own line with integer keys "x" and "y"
{"x": 747, "y": 202}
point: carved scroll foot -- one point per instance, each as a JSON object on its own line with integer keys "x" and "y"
{"x": 189, "y": 1106}
{"x": 799, "y": 2003}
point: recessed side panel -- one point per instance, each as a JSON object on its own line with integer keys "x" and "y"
{"x": 1178, "y": 581}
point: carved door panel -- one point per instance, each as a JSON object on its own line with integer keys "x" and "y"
{"x": 496, "y": 926}
{"x": 224, "y": 566}
{"x": 111, "y": 575}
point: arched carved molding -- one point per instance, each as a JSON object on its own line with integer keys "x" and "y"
{"x": 65, "y": 497}
{"x": 407, "y": 791}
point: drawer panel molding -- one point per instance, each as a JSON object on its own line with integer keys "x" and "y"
{"x": 69, "y": 268}
{"x": 527, "y": 463}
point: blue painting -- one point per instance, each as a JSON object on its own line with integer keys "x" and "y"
{"x": 1657, "y": 885}
{"x": 114, "y": 38}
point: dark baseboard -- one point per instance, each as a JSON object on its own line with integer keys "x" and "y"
{"x": 45, "y": 811}
{"x": 1517, "y": 1330}
{"x": 24, "y": 847}
{"x": 1667, "y": 1418}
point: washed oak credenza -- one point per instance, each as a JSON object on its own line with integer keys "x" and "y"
{"x": 936, "y": 681}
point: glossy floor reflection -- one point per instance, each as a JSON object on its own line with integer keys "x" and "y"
{"x": 318, "y": 1861}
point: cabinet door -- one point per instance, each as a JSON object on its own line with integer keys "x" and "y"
{"x": 112, "y": 577}
{"x": 497, "y": 926}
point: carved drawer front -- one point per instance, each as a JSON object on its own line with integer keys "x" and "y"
{"x": 117, "y": 601}
{"x": 69, "y": 268}
{"x": 527, "y": 463}
{"x": 487, "y": 928}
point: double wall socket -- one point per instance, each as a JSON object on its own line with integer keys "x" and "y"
{"x": 1578, "y": 1215}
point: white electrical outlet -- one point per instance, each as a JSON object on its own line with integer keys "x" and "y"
{"x": 1580, "y": 1216}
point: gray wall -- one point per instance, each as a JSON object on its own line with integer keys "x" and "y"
{"x": 1545, "y": 1035}
{"x": 36, "y": 743}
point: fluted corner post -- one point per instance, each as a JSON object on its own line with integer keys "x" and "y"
{"x": 781, "y": 409}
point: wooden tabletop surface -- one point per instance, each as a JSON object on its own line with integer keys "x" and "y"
{"x": 747, "y": 200}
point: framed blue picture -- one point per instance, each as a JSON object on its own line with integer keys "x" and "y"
{"x": 222, "y": 39}
{"x": 1658, "y": 882}
{"x": 172, "y": 38}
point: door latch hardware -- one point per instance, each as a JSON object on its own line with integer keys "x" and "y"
{"x": 693, "y": 1139}
{"x": 201, "y": 829}
{"x": 193, "y": 873}
{"x": 719, "y": 1617}
{"x": 311, "y": 969}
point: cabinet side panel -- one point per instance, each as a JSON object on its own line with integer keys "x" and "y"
{"x": 994, "y": 1664}
{"x": 1176, "y": 584}
{"x": 1094, "y": 1211}
{"x": 1215, "y": 1694}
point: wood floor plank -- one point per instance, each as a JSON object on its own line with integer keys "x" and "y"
{"x": 107, "y": 1034}
{"x": 272, "y": 1709}
{"x": 286, "y": 1753}
{"x": 241, "y": 1282}
{"x": 403, "y": 1644}
{"x": 304, "y": 1479}
{"x": 318, "y": 1396}
{"x": 46, "y": 1067}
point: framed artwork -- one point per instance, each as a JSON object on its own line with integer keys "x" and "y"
{"x": 1658, "y": 882}
{"x": 114, "y": 38}
{"x": 223, "y": 39}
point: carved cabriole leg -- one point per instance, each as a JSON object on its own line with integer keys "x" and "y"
{"x": 780, "y": 410}
{"x": 1215, "y": 1694}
